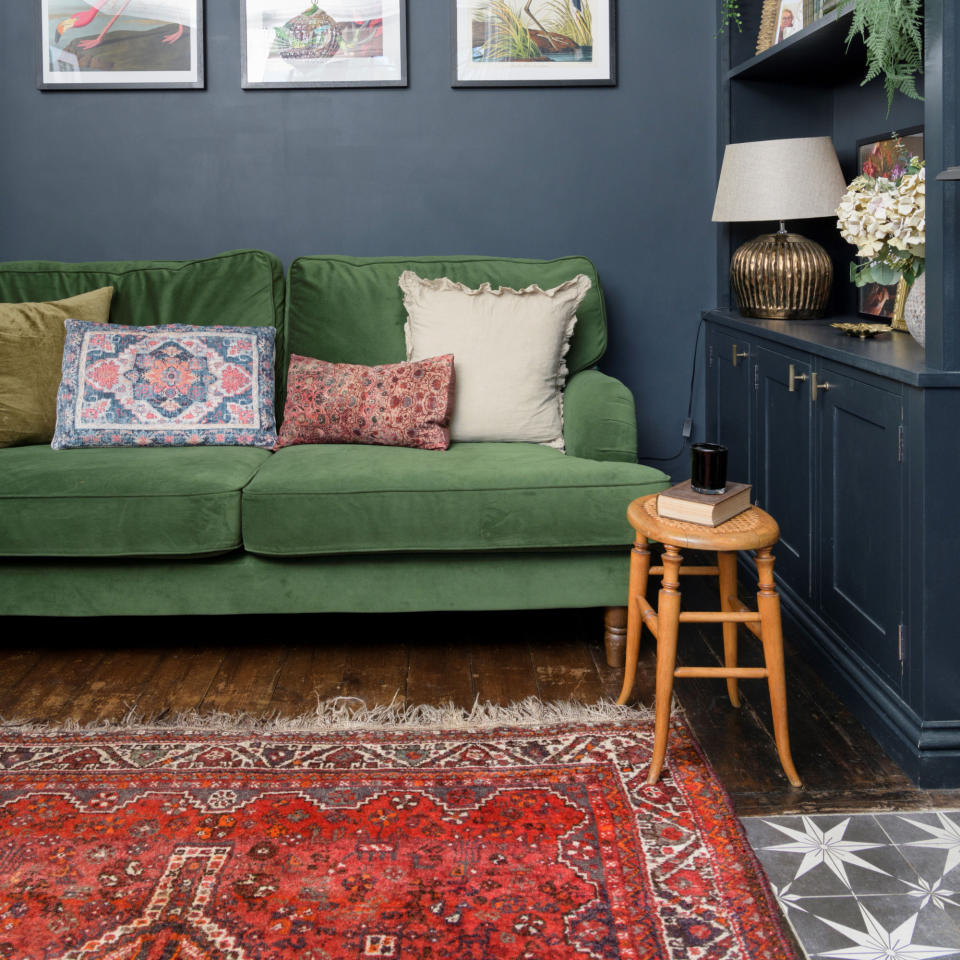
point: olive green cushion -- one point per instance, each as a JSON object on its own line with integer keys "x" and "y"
{"x": 122, "y": 502}
{"x": 350, "y": 310}
{"x": 312, "y": 500}
{"x": 31, "y": 354}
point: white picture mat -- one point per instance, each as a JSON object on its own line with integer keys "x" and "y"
{"x": 599, "y": 68}
{"x": 263, "y": 15}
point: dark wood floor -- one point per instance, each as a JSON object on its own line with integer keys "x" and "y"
{"x": 100, "y": 670}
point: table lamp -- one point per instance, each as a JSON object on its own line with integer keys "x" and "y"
{"x": 781, "y": 275}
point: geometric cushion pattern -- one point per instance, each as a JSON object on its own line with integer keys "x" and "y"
{"x": 123, "y": 502}
{"x": 351, "y": 499}
{"x": 509, "y": 347}
{"x": 172, "y": 385}
{"x": 396, "y": 405}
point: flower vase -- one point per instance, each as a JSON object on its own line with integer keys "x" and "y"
{"x": 915, "y": 309}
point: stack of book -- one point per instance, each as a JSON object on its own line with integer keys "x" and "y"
{"x": 682, "y": 502}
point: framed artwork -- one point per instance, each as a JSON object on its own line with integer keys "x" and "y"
{"x": 543, "y": 43}
{"x": 885, "y": 155}
{"x": 346, "y": 43}
{"x": 120, "y": 44}
{"x": 780, "y": 20}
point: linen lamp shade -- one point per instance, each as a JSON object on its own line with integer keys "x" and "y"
{"x": 781, "y": 275}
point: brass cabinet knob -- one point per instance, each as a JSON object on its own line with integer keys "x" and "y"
{"x": 815, "y": 385}
{"x": 795, "y": 378}
{"x": 738, "y": 356}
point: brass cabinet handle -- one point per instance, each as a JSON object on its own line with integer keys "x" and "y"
{"x": 815, "y": 385}
{"x": 737, "y": 356}
{"x": 794, "y": 378}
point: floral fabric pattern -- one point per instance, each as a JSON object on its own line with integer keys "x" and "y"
{"x": 393, "y": 405}
{"x": 172, "y": 385}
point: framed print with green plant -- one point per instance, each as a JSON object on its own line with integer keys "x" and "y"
{"x": 344, "y": 43}
{"x": 534, "y": 43}
{"x": 886, "y": 155}
{"x": 120, "y": 44}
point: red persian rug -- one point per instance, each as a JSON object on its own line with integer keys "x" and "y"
{"x": 532, "y": 841}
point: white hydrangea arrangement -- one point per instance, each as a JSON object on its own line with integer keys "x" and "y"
{"x": 886, "y": 221}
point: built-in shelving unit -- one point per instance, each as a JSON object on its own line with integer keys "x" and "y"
{"x": 859, "y": 473}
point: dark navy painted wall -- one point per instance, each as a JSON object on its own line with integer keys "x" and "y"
{"x": 623, "y": 175}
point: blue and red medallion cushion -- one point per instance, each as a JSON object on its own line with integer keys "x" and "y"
{"x": 166, "y": 386}
{"x": 392, "y": 404}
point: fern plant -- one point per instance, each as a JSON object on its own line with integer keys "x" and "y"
{"x": 892, "y": 31}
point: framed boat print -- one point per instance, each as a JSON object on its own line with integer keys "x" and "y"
{"x": 120, "y": 44}
{"x": 343, "y": 43}
{"x": 541, "y": 43}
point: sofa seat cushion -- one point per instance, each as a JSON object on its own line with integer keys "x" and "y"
{"x": 123, "y": 502}
{"x": 346, "y": 499}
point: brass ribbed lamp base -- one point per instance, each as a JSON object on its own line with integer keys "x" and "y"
{"x": 782, "y": 276}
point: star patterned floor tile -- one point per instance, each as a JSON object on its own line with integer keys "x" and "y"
{"x": 866, "y": 886}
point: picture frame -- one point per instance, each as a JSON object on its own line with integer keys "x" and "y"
{"x": 120, "y": 44}
{"x": 878, "y": 156}
{"x": 348, "y": 43}
{"x": 534, "y": 43}
{"x": 782, "y": 19}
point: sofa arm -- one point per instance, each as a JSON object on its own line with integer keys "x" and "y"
{"x": 599, "y": 418}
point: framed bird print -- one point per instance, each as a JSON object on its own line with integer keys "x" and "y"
{"x": 324, "y": 43}
{"x": 543, "y": 43}
{"x": 120, "y": 44}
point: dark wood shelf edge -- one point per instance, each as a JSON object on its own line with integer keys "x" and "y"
{"x": 895, "y": 356}
{"x": 817, "y": 55}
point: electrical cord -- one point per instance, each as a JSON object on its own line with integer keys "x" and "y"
{"x": 693, "y": 377}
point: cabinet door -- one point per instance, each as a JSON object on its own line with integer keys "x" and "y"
{"x": 861, "y": 543}
{"x": 729, "y": 386}
{"x": 784, "y": 481}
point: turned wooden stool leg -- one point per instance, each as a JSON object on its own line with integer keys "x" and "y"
{"x": 639, "y": 574}
{"x": 727, "y": 562}
{"x": 768, "y": 604}
{"x": 614, "y": 635}
{"x": 668, "y": 625}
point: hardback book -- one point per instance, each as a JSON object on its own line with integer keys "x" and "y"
{"x": 682, "y": 502}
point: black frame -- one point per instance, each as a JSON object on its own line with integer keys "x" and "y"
{"x": 862, "y": 292}
{"x": 246, "y": 84}
{"x": 610, "y": 81}
{"x": 198, "y": 84}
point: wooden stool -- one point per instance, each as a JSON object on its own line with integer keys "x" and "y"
{"x": 752, "y": 530}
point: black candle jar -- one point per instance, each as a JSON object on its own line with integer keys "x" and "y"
{"x": 708, "y": 467}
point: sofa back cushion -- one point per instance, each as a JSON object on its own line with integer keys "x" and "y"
{"x": 350, "y": 309}
{"x": 242, "y": 288}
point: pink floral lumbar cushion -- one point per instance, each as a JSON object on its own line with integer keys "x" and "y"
{"x": 394, "y": 404}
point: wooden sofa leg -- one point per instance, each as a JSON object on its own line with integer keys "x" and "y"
{"x": 615, "y": 635}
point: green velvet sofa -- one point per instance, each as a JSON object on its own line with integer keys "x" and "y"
{"x": 235, "y": 530}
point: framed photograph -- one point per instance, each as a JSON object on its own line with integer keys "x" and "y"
{"x": 346, "y": 43}
{"x": 542, "y": 43}
{"x": 120, "y": 44}
{"x": 780, "y": 20}
{"x": 885, "y": 155}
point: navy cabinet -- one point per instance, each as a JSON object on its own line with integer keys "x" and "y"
{"x": 847, "y": 445}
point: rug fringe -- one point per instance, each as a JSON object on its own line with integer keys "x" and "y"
{"x": 352, "y": 713}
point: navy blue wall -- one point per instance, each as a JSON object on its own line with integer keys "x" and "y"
{"x": 623, "y": 175}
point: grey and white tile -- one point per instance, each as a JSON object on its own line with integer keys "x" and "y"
{"x": 866, "y": 886}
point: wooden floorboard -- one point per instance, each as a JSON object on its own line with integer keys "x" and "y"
{"x": 281, "y": 666}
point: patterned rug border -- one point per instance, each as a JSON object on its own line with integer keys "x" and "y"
{"x": 353, "y": 714}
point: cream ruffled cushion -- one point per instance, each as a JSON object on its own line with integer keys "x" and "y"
{"x": 508, "y": 351}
